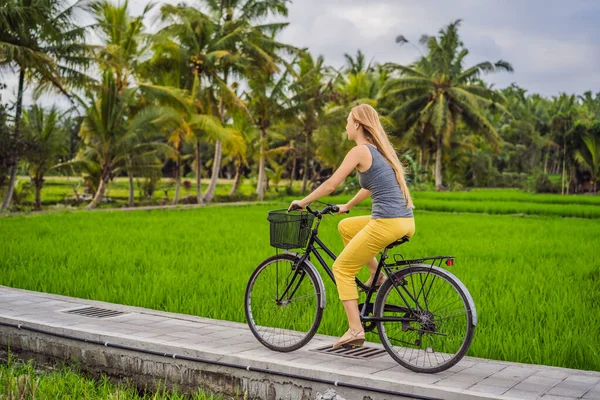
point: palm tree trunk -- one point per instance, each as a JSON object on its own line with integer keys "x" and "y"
{"x": 260, "y": 184}
{"x": 131, "y": 201}
{"x": 101, "y": 188}
{"x": 306, "y": 162}
{"x": 38, "y": 182}
{"x": 421, "y": 150}
{"x": 294, "y": 164}
{"x": 13, "y": 170}
{"x": 562, "y": 188}
{"x": 177, "y": 180}
{"x": 438, "y": 164}
{"x": 199, "y": 173}
{"x": 210, "y": 192}
{"x": 547, "y": 156}
{"x": 237, "y": 179}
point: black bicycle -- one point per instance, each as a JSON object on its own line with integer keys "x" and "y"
{"x": 424, "y": 315}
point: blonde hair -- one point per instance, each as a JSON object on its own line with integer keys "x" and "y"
{"x": 366, "y": 115}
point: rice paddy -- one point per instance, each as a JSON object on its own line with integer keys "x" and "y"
{"x": 534, "y": 279}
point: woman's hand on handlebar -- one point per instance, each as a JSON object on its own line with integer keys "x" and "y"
{"x": 343, "y": 209}
{"x": 296, "y": 205}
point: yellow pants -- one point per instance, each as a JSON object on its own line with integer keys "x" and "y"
{"x": 363, "y": 238}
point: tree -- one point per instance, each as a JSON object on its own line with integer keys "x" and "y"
{"x": 251, "y": 47}
{"x": 439, "y": 91}
{"x": 310, "y": 94}
{"x": 40, "y": 41}
{"x": 267, "y": 102}
{"x": 588, "y": 149}
{"x": 198, "y": 54}
{"x": 46, "y": 143}
{"x": 564, "y": 112}
{"x": 121, "y": 53}
{"x": 115, "y": 130}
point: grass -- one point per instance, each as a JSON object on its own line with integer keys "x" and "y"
{"x": 534, "y": 280}
{"x": 26, "y": 381}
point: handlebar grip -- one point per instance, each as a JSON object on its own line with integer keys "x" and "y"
{"x": 294, "y": 207}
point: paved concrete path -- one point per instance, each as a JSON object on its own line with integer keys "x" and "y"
{"x": 471, "y": 378}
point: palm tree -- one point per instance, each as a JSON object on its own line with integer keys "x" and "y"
{"x": 121, "y": 52}
{"x": 251, "y": 47}
{"x": 115, "y": 130}
{"x": 564, "y": 111}
{"x": 41, "y": 43}
{"x": 45, "y": 144}
{"x": 310, "y": 95}
{"x": 196, "y": 54}
{"x": 588, "y": 149}
{"x": 267, "y": 102}
{"x": 438, "y": 90}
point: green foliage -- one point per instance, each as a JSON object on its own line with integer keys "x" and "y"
{"x": 541, "y": 183}
{"x": 27, "y": 381}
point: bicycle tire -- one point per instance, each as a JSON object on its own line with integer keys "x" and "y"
{"x": 259, "y": 331}
{"x": 379, "y": 308}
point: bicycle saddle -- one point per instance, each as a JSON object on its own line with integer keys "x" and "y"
{"x": 398, "y": 242}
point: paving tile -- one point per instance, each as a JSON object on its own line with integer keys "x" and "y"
{"x": 593, "y": 393}
{"x": 570, "y": 388}
{"x": 521, "y": 394}
{"x": 537, "y": 384}
{"x": 487, "y": 389}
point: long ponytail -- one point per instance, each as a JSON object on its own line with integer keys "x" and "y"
{"x": 366, "y": 115}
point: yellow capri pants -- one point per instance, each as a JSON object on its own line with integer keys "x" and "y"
{"x": 363, "y": 238}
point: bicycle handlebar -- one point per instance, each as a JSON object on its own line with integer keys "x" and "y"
{"x": 330, "y": 208}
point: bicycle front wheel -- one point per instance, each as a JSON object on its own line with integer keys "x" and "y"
{"x": 428, "y": 322}
{"x": 282, "y": 303}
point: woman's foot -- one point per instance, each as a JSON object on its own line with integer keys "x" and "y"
{"x": 380, "y": 281}
{"x": 351, "y": 338}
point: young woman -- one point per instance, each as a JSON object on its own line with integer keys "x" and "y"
{"x": 381, "y": 176}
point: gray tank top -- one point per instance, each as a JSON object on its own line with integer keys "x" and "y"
{"x": 380, "y": 180}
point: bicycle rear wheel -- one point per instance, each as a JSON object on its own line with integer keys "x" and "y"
{"x": 433, "y": 326}
{"x": 282, "y": 303}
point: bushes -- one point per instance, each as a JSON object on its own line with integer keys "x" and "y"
{"x": 541, "y": 183}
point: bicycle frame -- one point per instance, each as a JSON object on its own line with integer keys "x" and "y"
{"x": 312, "y": 249}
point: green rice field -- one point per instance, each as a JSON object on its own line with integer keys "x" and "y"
{"x": 534, "y": 278}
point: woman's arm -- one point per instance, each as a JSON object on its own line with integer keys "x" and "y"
{"x": 350, "y": 162}
{"x": 360, "y": 196}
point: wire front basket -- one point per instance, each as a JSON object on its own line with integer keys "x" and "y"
{"x": 290, "y": 231}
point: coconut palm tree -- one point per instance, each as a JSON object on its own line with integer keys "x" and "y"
{"x": 249, "y": 41}
{"x": 46, "y": 141}
{"x": 115, "y": 130}
{"x": 267, "y": 102}
{"x": 197, "y": 54}
{"x": 438, "y": 90}
{"x": 564, "y": 111}
{"x": 311, "y": 91}
{"x": 588, "y": 149}
{"x": 41, "y": 43}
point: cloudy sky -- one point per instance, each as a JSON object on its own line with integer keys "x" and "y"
{"x": 553, "y": 45}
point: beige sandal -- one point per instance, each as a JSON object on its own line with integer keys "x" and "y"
{"x": 355, "y": 340}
